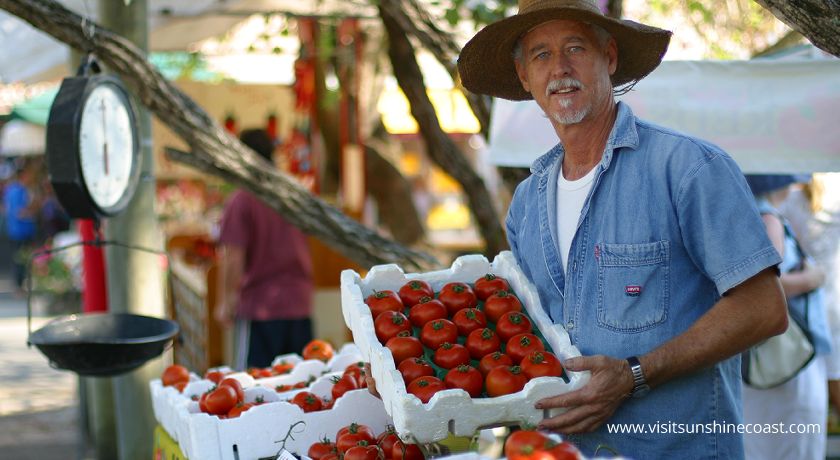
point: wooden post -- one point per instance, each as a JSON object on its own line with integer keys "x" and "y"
{"x": 135, "y": 279}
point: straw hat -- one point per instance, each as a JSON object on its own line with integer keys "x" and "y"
{"x": 486, "y": 62}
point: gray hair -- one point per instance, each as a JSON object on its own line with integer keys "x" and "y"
{"x": 601, "y": 34}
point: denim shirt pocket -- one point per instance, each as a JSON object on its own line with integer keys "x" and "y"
{"x": 633, "y": 285}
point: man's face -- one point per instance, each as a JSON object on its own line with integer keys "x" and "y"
{"x": 566, "y": 69}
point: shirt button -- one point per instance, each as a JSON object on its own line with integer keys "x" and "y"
{"x": 570, "y": 325}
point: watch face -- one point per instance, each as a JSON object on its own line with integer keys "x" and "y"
{"x": 106, "y": 145}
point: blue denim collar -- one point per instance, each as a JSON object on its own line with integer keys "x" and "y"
{"x": 623, "y": 134}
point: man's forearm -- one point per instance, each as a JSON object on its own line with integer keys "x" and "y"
{"x": 748, "y": 314}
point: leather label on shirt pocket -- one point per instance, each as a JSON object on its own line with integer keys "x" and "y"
{"x": 633, "y": 282}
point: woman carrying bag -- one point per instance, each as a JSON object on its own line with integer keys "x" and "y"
{"x": 803, "y": 399}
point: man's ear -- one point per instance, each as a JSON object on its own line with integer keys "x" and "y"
{"x": 523, "y": 76}
{"x": 612, "y": 55}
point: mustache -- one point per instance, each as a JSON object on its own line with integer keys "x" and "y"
{"x": 556, "y": 85}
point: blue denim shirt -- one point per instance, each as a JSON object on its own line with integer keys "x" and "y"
{"x": 668, "y": 227}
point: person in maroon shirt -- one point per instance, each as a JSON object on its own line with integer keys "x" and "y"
{"x": 265, "y": 275}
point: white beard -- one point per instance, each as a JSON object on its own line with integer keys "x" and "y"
{"x": 570, "y": 118}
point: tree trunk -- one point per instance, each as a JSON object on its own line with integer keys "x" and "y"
{"x": 818, "y": 20}
{"x": 212, "y": 147}
{"x": 441, "y": 149}
{"x": 415, "y": 21}
{"x": 393, "y": 195}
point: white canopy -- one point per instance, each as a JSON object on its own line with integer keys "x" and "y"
{"x": 21, "y": 138}
{"x": 30, "y": 55}
{"x": 770, "y": 115}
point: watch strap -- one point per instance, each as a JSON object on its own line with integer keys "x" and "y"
{"x": 640, "y": 386}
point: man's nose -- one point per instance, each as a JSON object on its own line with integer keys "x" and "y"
{"x": 560, "y": 65}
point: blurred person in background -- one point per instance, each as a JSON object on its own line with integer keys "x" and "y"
{"x": 814, "y": 213}
{"x": 803, "y": 399}
{"x": 22, "y": 205}
{"x": 265, "y": 275}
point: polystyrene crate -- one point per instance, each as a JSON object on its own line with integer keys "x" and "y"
{"x": 167, "y": 401}
{"x": 258, "y": 432}
{"x": 453, "y": 411}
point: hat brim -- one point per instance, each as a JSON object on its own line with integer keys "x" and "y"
{"x": 486, "y": 61}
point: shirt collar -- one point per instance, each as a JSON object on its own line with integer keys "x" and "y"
{"x": 623, "y": 134}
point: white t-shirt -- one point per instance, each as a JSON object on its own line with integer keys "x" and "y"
{"x": 570, "y": 198}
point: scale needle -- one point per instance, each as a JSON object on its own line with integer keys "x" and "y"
{"x": 105, "y": 137}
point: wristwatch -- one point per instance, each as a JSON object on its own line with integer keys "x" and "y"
{"x": 640, "y": 386}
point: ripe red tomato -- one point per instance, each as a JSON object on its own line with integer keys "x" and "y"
{"x": 318, "y": 349}
{"x": 425, "y": 387}
{"x": 436, "y": 333}
{"x": 282, "y": 368}
{"x": 500, "y": 303}
{"x": 214, "y": 376}
{"x": 426, "y": 310}
{"x": 363, "y": 452}
{"x": 386, "y": 441}
{"x": 238, "y": 409}
{"x": 511, "y": 324}
{"x": 504, "y": 380}
{"x": 342, "y": 385}
{"x": 532, "y": 455}
{"x": 520, "y": 345}
{"x": 402, "y": 451}
{"x": 174, "y": 374}
{"x": 404, "y": 346}
{"x": 450, "y": 355}
{"x": 357, "y": 371}
{"x": 482, "y": 342}
{"x": 381, "y": 301}
{"x": 413, "y": 368}
{"x": 541, "y": 364}
{"x": 488, "y": 284}
{"x": 307, "y": 401}
{"x": 351, "y": 435}
{"x": 321, "y": 449}
{"x": 357, "y": 428}
{"x": 564, "y": 451}
{"x": 457, "y": 296}
{"x": 468, "y": 320}
{"x": 525, "y": 441}
{"x": 180, "y": 386}
{"x": 259, "y": 373}
{"x": 221, "y": 400}
{"x": 390, "y": 323}
{"x": 237, "y": 387}
{"x": 466, "y": 378}
{"x": 494, "y": 360}
{"x": 331, "y": 456}
{"x": 414, "y": 290}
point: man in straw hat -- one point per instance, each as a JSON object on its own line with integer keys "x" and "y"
{"x": 643, "y": 242}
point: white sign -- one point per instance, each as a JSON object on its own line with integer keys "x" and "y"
{"x": 771, "y": 116}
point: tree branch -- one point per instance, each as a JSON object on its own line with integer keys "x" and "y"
{"x": 439, "y": 146}
{"x": 213, "y": 149}
{"x": 817, "y": 20}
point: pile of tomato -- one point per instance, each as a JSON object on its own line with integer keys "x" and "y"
{"x": 474, "y": 337}
{"x": 353, "y": 378}
{"x": 358, "y": 442}
{"x": 533, "y": 445}
{"x": 316, "y": 349}
{"x": 226, "y": 400}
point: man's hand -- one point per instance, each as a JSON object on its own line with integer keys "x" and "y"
{"x": 224, "y": 314}
{"x": 589, "y": 407}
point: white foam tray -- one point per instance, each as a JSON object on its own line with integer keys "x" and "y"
{"x": 453, "y": 411}
{"x": 173, "y": 409}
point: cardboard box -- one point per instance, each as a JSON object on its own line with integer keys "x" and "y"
{"x": 453, "y": 411}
